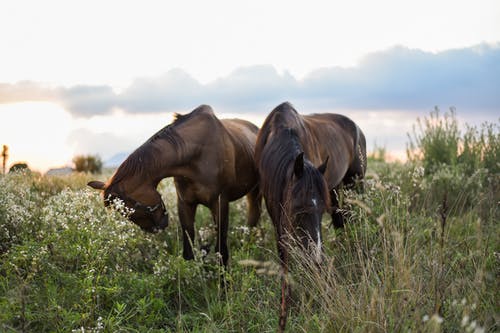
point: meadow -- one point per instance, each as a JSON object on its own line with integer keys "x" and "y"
{"x": 420, "y": 253}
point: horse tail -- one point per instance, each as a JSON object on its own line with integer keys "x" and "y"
{"x": 360, "y": 149}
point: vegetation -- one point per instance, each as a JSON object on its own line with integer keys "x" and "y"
{"x": 420, "y": 253}
{"x": 19, "y": 167}
{"x": 88, "y": 163}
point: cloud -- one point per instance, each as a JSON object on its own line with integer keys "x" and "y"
{"x": 26, "y": 91}
{"x": 401, "y": 78}
{"x": 173, "y": 91}
{"x": 88, "y": 100}
{"x": 84, "y": 141}
{"x": 398, "y": 78}
{"x": 252, "y": 88}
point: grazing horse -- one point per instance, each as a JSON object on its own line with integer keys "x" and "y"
{"x": 211, "y": 161}
{"x": 324, "y": 135}
{"x": 296, "y": 193}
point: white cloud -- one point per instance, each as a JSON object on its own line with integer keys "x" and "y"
{"x": 396, "y": 79}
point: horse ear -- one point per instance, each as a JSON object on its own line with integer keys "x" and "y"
{"x": 322, "y": 167}
{"x": 97, "y": 185}
{"x": 298, "y": 168}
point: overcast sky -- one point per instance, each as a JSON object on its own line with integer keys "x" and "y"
{"x": 102, "y": 76}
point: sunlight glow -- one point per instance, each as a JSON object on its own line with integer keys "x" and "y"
{"x": 36, "y": 133}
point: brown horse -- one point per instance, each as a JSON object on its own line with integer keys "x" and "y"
{"x": 211, "y": 161}
{"x": 323, "y": 135}
{"x": 297, "y": 193}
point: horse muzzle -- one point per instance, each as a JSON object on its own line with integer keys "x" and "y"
{"x": 162, "y": 224}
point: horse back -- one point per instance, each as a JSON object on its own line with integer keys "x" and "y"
{"x": 339, "y": 138}
{"x": 322, "y": 136}
{"x": 220, "y": 156}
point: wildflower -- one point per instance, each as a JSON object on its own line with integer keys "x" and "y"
{"x": 437, "y": 318}
{"x": 425, "y": 318}
{"x": 479, "y": 329}
{"x": 100, "y": 324}
{"x": 245, "y": 230}
{"x": 465, "y": 321}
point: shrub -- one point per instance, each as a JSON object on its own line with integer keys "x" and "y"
{"x": 19, "y": 167}
{"x": 435, "y": 141}
{"x": 460, "y": 169}
{"x": 379, "y": 154}
{"x": 88, "y": 163}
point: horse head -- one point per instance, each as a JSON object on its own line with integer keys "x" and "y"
{"x": 147, "y": 208}
{"x": 307, "y": 199}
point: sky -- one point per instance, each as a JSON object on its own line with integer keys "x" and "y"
{"x": 100, "y": 77}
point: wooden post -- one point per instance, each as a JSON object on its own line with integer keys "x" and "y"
{"x": 5, "y": 156}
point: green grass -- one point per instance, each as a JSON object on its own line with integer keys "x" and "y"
{"x": 420, "y": 253}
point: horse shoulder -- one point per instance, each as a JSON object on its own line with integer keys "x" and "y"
{"x": 332, "y": 139}
{"x": 239, "y": 173}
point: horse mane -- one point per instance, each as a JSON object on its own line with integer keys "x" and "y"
{"x": 276, "y": 166}
{"x": 143, "y": 161}
{"x": 282, "y": 117}
{"x": 275, "y": 163}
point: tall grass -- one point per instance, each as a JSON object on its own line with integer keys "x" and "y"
{"x": 396, "y": 267}
{"x": 420, "y": 253}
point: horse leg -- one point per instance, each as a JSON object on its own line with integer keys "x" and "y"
{"x": 220, "y": 214}
{"x": 337, "y": 217}
{"x": 186, "y": 217}
{"x": 285, "y": 286}
{"x": 254, "y": 201}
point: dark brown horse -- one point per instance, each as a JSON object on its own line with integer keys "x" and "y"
{"x": 325, "y": 135}
{"x": 288, "y": 148}
{"x": 211, "y": 161}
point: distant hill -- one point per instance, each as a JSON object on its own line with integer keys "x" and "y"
{"x": 116, "y": 160}
{"x": 59, "y": 171}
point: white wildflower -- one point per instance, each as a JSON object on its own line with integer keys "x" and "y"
{"x": 479, "y": 329}
{"x": 437, "y": 318}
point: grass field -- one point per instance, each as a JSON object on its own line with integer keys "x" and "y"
{"x": 420, "y": 253}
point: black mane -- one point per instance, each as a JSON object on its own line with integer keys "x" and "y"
{"x": 277, "y": 157}
{"x": 276, "y": 166}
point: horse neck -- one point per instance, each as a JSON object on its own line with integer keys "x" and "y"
{"x": 169, "y": 159}
{"x": 146, "y": 166}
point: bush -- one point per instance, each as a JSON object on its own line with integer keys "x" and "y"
{"x": 88, "y": 163}
{"x": 461, "y": 170}
{"x": 19, "y": 167}
{"x": 379, "y": 154}
{"x": 435, "y": 141}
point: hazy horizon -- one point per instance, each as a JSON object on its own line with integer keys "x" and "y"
{"x": 383, "y": 129}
